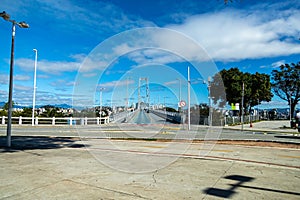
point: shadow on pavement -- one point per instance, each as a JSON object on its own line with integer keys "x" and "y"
{"x": 227, "y": 193}
{"x": 20, "y": 143}
{"x": 287, "y": 136}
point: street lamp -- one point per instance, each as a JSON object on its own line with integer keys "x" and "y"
{"x": 210, "y": 109}
{"x": 6, "y": 17}
{"x": 290, "y": 102}
{"x": 189, "y": 98}
{"x": 34, "y": 86}
{"x": 209, "y": 100}
{"x": 100, "y": 113}
{"x": 179, "y": 107}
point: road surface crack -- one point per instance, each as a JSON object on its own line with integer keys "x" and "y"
{"x": 110, "y": 190}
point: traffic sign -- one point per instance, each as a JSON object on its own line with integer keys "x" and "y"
{"x": 181, "y": 103}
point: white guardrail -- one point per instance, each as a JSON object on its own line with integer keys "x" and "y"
{"x": 56, "y": 120}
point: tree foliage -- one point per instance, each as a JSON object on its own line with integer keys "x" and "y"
{"x": 286, "y": 83}
{"x": 257, "y": 88}
{"x": 5, "y": 107}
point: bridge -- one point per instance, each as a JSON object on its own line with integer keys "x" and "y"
{"x": 136, "y": 117}
{"x": 153, "y": 117}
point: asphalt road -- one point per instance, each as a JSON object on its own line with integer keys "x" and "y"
{"x": 142, "y": 117}
{"x": 148, "y": 131}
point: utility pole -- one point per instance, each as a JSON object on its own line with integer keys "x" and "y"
{"x": 189, "y": 100}
{"x": 23, "y": 24}
{"x": 242, "y": 119}
{"x": 147, "y": 93}
{"x": 34, "y": 87}
{"x": 100, "y": 112}
{"x": 179, "y": 106}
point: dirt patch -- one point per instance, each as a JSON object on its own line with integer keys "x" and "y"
{"x": 274, "y": 144}
{"x": 261, "y": 144}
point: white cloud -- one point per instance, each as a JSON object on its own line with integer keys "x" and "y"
{"x": 88, "y": 17}
{"x": 82, "y": 62}
{"x": 122, "y": 49}
{"x": 92, "y": 63}
{"x": 273, "y": 104}
{"x": 88, "y": 75}
{"x": 145, "y": 56}
{"x": 116, "y": 83}
{"x": 62, "y": 83}
{"x": 236, "y": 35}
{"x": 49, "y": 67}
{"x": 42, "y": 76}
{"x": 278, "y": 63}
{"x": 22, "y": 78}
{"x": 274, "y": 65}
{"x": 3, "y": 79}
{"x": 22, "y": 87}
{"x": 171, "y": 83}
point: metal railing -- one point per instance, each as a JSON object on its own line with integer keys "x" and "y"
{"x": 56, "y": 120}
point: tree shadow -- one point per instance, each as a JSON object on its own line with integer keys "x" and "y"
{"x": 22, "y": 143}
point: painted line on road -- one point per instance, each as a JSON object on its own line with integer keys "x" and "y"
{"x": 114, "y": 131}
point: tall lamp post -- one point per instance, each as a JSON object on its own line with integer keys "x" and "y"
{"x": 179, "y": 107}
{"x": 34, "y": 86}
{"x": 209, "y": 100}
{"x": 100, "y": 113}
{"x": 210, "y": 109}
{"x": 6, "y": 17}
{"x": 189, "y": 98}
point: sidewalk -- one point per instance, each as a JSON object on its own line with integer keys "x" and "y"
{"x": 76, "y": 170}
{"x": 278, "y": 126}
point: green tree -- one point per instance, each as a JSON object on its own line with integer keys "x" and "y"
{"x": 3, "y": 113}
{"x": 257, "y": 88}
{"x": 5, "y": 107}
{"x": 27, "y": 112}
{"x": 51, "y": 111}
{"x": 286, "y": 83}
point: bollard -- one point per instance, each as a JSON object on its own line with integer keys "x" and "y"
{"x": 20, "y": 120}
{"x": 71, "y": 121}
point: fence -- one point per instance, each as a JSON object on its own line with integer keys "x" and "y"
{"x": 238, "y": 120}
{"x": 105, "y": 120}
{"x": 56, "y": 120}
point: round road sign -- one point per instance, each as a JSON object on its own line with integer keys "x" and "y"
{"x": 182, "y": 103}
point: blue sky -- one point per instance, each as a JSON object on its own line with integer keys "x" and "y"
{"x": 255, "y": 36}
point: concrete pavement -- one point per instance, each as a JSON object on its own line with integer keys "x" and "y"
{"x": 54, "y": 163}
{"x": 90, "y": 169}
{"x": 276, "y": 126}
